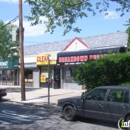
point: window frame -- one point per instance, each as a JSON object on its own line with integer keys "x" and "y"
{"x": 128, "y": 96}
{"x": 96, "y": 90}
{"x": 115, "y": 89}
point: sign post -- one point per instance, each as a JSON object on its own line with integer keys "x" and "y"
{"x": 48, "y": 79}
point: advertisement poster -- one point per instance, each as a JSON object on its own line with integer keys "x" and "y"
{"x": 68, "y": 75}
{"x": 43, "y": 78}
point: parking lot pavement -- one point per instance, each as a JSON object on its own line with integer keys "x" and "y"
{"x": 22, "y": 117}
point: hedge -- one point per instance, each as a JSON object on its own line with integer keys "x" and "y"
{"x": 108, "y": 70}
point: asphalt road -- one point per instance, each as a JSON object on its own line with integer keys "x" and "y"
{"x": 23, "y": 117}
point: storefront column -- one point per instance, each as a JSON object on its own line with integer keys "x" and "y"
{"x": 61, "y": 77}
{"x": 18, "y": 77}
{"x": 36, "y": 78}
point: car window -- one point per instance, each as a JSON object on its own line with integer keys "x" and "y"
{"x": 126, "y": 97}
{"x": 98, "y": 94}
{"x": 116, "y": 96}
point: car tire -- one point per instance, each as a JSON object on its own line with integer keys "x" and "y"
{"x": 69, "y": 113}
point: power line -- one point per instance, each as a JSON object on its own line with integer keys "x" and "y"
{"x": 12, "y": 21}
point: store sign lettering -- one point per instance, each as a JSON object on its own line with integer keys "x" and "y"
{"x": 94, "y": 57}
{"x": 42, "y": 58}
{"x": 73, "y": 59}
{"x": 4, "y": 64}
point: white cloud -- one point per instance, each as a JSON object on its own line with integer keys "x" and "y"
{"x": 111, "y": 15}
{"x": 14, "y": 1}
{"x": 29, "y": 30}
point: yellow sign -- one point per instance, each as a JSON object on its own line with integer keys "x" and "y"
{"x": 43, "y": 59}
{"x": 43, "y": 78}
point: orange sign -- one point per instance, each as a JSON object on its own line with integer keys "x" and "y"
{"x": 43, "y": 78}
{"x": 43, "y": 59}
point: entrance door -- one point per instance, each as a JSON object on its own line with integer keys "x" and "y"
{"x": 57, "y": 78}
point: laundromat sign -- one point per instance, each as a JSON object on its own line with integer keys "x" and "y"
{"x": 43, "y": 59}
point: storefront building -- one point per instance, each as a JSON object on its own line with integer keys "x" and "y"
{"x": 69, "y": 59}
{"x": 46, "y": 62}
{"x": 9, "y": 72}
{"x": 63, "y": 56}
{"x": 30, "y": 70}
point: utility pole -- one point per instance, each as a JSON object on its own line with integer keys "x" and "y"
{"x": 21, "y": 52}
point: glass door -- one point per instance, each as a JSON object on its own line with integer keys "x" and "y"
{"x": 56, "y": 78}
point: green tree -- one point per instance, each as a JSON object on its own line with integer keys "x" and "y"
{"x": 128, "y": 32}
{"x": 6, "y": 42}
{"x": 66, "y": 12}
{"x": 127, "y": 23}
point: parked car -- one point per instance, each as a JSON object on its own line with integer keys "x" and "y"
{"x": 109, "y": 103}
{"x": 2, "y": 92}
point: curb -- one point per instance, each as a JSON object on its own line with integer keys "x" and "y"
{"x": 40, "y": 105}
{"x": 52, "y": 106}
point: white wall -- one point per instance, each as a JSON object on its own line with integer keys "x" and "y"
{"x": 30, "y": 59}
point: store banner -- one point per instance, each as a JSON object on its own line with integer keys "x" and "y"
{"x": 8, "y": 64}
{"x": 43, "y": 59}
{"x": 3, "y": 64}
{"x": 77, "y": 57}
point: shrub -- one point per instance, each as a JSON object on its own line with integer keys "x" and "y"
{"x": 108, "y": 70}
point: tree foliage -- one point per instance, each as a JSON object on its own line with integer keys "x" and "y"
{"x": 6, "y": 42}
{"x": 66, "y": 12}
{"x": 128, "y": 32}
{"x": 108, "y": 70}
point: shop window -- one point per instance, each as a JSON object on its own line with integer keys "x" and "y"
{"x": 6, "y": 75}
{"x": 28, "y": 75}
{"x": 68, "y": 78}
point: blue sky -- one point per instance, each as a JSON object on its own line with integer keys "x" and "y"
{"x": 91, "y": 26}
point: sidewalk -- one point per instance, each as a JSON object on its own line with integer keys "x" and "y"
{"x": 38, "y": 95}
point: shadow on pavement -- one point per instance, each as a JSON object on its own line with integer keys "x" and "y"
{"x": 16, "y": 116}
{"x": 98, "y": 122}
{"x": 52, "y": 119}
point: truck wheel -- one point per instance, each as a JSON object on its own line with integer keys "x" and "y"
{"x": 69, "y": 113}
